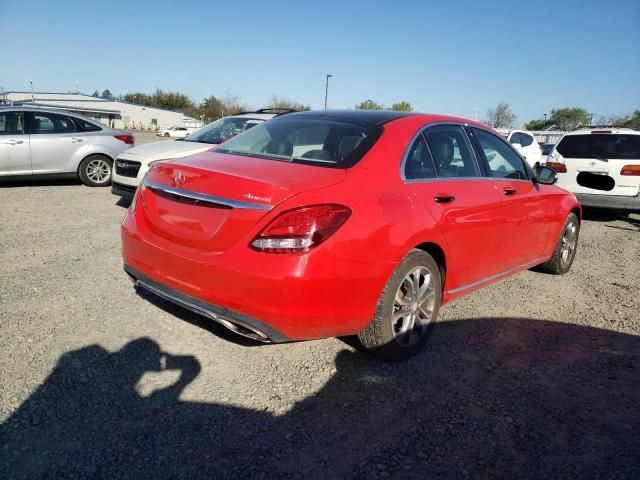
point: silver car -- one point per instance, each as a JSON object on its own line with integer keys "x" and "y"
{"x": 38, "y": 142}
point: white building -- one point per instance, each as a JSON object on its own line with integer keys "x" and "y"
{"x": 110, "y": 112}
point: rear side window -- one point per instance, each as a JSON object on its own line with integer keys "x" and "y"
{"x": 419, "y": 164}
{"x": 502, "y": 160}
{"x": 525, "y": 139}
{"x": 11, "y": 123}
{"x": 87, "y": 126}
{"x": 451, "y": 151}
{"x": 605, "y": 145}
{"x": 52, "y": 123}
{"x": 314, "y": 141}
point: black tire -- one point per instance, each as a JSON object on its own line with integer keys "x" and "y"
{"x": 558, "y": 264}
{"x": 382, "y": 336}
{"x": 166, "y": 135}
{"x": 96, "y": 171}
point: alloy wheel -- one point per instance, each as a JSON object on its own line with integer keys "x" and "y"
{"x": 413, "y": 306}
{"x": 98, "y": 171}
{"x": 569, "y": 242}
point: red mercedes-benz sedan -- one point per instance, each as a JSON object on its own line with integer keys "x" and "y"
{"x": 322, "y": 224}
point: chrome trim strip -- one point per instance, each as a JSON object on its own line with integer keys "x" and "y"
{"x": 497, "y": 275}
{"x": 203, "y": 197}
{"x": 230, "y": 325}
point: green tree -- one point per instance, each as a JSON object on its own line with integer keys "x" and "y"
{"x": 537, "y": 124}
{"x": 501, "y": 116}
{"x": 569, "y": 118}
{"x": 96, "y": 94}
{"x": 369, "y": 105}
{"x": 402, "y": 106}
{"x": 283, "y": 102}
{"x": 172, "y": 100}
{"x": 634, "y": 120}
{"x": 106, "y": 94}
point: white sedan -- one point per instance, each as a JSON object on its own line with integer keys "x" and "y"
{"x": 174, "y": 132}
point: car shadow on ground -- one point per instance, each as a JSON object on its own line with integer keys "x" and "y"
{"x": 489, "y": 398}
{"x": 631, "y": 220}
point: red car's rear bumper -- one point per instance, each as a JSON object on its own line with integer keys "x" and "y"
{"x": 283, "y": 296}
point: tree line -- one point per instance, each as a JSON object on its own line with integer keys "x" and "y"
{"x": 567, "y": 118}
{"x": 211, "y": 108}
{"x": 502, "y": 116}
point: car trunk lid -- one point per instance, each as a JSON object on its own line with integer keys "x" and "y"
{"x": 210, "y": 200}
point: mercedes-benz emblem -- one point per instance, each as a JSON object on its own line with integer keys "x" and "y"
{"x": 178, "y": 178}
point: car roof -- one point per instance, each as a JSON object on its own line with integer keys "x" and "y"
{"x": 378, "y": 117}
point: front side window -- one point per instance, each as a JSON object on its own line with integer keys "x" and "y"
{"x": 52, "y": 123}
{"x": 11, "y": 123}
{"x": 221, "y": 130}
{"x": 605, "y": 145}
{"x": 315, "y": 141}
{"x": 451, "y": 151}
{"x": 503, "y": 162}
{"x": 419, "y": 164}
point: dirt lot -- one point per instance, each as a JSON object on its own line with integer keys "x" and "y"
{"x": 534, "y": 377}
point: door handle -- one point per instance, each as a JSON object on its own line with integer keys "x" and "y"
{"x": 510, "y": 191}
{"x": 444, "y": 198}
{"x": 76, "y": 140}
{"x": 15, "y": 142}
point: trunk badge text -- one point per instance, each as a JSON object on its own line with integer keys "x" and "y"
{"x": 250, "y": 196}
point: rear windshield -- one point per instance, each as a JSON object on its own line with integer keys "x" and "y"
{"x": 314, "y": 141}
{"x": 605, "y": 145}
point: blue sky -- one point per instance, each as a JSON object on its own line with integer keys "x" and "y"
{"x": 446, "y": 57}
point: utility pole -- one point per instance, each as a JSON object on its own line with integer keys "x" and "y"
{"x": 31, "y": 84}
{"x": 545, "y": 119}
{"x": 326, "y": 90}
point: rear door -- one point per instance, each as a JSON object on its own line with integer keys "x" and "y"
{"x": 596, "y": 161}
{"x": 527, "y": 211}
{"x": 441, "y": 170}
{"x": 54, "y": 142}
{"x": 15, "y": 157}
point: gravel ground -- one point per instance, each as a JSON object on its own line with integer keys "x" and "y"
{"x": 534, "y": 377}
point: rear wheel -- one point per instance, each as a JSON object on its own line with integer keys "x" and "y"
{"x": 565, "y": 251}
{"x": 166, "y": 134}
{"x": 406, "y": 310}
{"x": 95, "y": 171}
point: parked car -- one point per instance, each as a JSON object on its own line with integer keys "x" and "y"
{"x": 546, "y": 149}
{"x": 526, "y": 145}
{"x": 321, "y": 224}
{"x": 173, "y": 132}
{"x": 133, "y": 164}
{"x": 600, "y": 166}
{"x": 37, "y": 142}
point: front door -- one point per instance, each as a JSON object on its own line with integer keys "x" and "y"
{"x": 54, "y": 143}
{"x": 527, "y": 213}
{"x": 14, "y": 145}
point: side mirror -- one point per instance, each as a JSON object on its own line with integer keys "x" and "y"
{"x": 546, "y": 175}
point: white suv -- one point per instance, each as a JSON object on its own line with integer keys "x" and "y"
{"x": 601, "y": 166}
{"x": 132, "y": 166}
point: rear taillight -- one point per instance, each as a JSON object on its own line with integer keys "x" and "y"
{"x": 128, "y": 139}
{"x": 632, "y": 170}
{"x": 558, "y": 167}
{"x": 301, "y": 229}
